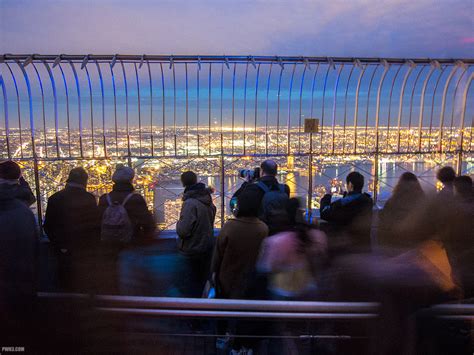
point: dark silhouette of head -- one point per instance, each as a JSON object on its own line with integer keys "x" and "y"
{"x": 9, "y": 170}
{"x": 408, "y": 186}
{"x": 188, "y": 178}
{"x": 355, "y": 181}
{"x": 446, "y": 175}
{"x": 269, "y": 168}
{"x": 78, "y": 176}
{"x": 246, "y": 206}
{"x": 463, "y": 185}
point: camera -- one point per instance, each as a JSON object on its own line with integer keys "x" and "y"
{"x": 250, "y": 174}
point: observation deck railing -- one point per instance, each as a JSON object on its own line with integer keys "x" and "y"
{"x": 215, "y": 114}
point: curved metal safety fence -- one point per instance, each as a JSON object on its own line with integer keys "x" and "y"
{"x": 217, "y": 114}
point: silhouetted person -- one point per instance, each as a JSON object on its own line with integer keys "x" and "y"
{"x": 23, "y": 190}
{"x": 407, "y": 198}
{"x": 271, "y": 197}
{"x": 463, "y": 188}
{"x": 446, "y": 176}
{"x": 134, "y": 226}
{"x": 18, "y": 251}
{"x": 195, "y": 230}
{"x": 350, "y": 217}
{"x": 72, "y": 226}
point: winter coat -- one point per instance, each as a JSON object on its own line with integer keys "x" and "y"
{"x": 236, "y": 253}
{"x": 72, "y": 219}
{"x": 142, "y": 220}
{"x": 350, "y": 218}
{"x": 18, "y": 251}
{"x": 283, "y": 256}
{"x": 195, "y": 227}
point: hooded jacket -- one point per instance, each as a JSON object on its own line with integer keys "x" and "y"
{"x": 18, "y": 247}
{"x": 195, "y": 227}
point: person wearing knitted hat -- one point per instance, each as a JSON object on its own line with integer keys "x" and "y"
{"x": 142, "y": 224}
{"x": 18, "y": 241}
{"x": 72, "y": 226}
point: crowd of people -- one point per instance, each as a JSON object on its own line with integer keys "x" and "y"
{"x": 421, "y": 245}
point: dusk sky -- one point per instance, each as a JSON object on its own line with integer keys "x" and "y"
{"x": 390, "y": 28}
{"x": 396, "y": 28}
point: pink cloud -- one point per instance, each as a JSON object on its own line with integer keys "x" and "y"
{"x": 467, "y": 40}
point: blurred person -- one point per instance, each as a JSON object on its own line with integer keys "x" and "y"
{"x": 407, "y": 197}
{"x": 271, "y": 196}
{"x": 291, "y": 257}
{"x": 195, "y": 230}
{"x": 446, "y": 176}
{"x": 18, "y": 253}
{"x": 23, "y": 190}
{"x": 72, "y": 226}
{"x": 125, "y": 222}
{"x": 234, "y": 261}
{"x": 349, "y": 218}
{"x": 463, "y": 188}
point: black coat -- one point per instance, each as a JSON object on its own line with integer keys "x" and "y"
{"x": 72, "y": 219}
{"x": 350, "y": 217}
{"x": 18, "y": 250}
{"x": 142, "y": 220}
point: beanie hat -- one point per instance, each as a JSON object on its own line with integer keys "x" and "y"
{"x": 78, "y": 176}
{"x": 123, "y": 174}
{"x": 9, "y": 170}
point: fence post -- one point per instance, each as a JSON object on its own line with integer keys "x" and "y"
{"x": 222, "y": 190}
{"x": 310, "y": 178}
{"x": 376, "y": 175}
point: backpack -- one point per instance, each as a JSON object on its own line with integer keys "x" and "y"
{"x": 273, "y": 206}
{"x": 116, "y": 224}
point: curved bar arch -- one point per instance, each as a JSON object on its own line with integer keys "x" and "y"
{"x": 334, "y": 104}
{"x": 55, "y": 103}
{"x": 453, "y": 106}
{"x": 432, "y": 103}
{"x": 288, "y": 122}
{"x": 101, "y": 80}
{"x": 5, "y": 111}
{"x": 400, "y": 107}
{"x": 356, "y": 112}
{"x": 66, "y": 90}
{"x": 377, "y": 112}
{"x": 422, "y": 105}
{"x": 443, "y": 106}
{"x": 78, "y": 89}
{"x": 89, "y": 82}
{"x": 266, "y": 108}
{"x": 345, "y": 108}
{"x": 40, "y": 81}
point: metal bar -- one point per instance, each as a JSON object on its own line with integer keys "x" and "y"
{"x": 390, "y": 104}
{"x": 221, "y": 58}
{"x": 233, "y": 108}
{"x": 245, "y": 104}
{"x": 115, "y": 109}
{"x": 33, "y": 147}
{"x": 463, "y": 112}
{"x": 432, "y": 104}
{"x": 187, "y": 107}
{"x": 197, "y": 111}
{"x": 400, "y": 107}
{"x": 266, "y": 108}
{"x": 55, "y": 103}
{"x": 345, "y": 108}
{"x": 151, "y": 107}
{"x": 301, "y": 108}
{"x": 126, "y": 114}
{"x": 43, "y": 109}
{"x": 377, "y": 113}
{"x": 278, "y": 109}
{"x": 233, "y": 314}
{"x": 174, "y": 109}
{"x": 453, "y": 106}
{"x": 367, "y": 108}
{"x": 5, "y": 111}
{"x": 288, "y": 123}
{"x": 323, "y": 108}
{"x": 210, "y": 105}
{"x": 18, "y": 107}
{"x": 222, "y": 107}
{"x": 102, "y": 93}
{"x": 222, "y": 190}
{"x": 91, "y": 109}
{"x": 422, "y": 104}
{"x": 334, "y": 104}
{"x": 139, "y": 111}
{"x": 356, "y": 112}
{"x": 78, "y": 89}
{"x": 66, "y": 90}
{"x": 256, "y": 106}
{"x": 411, "y": 104}
{"x": 163, "y": 104}
{"x": 443, "y": 107}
